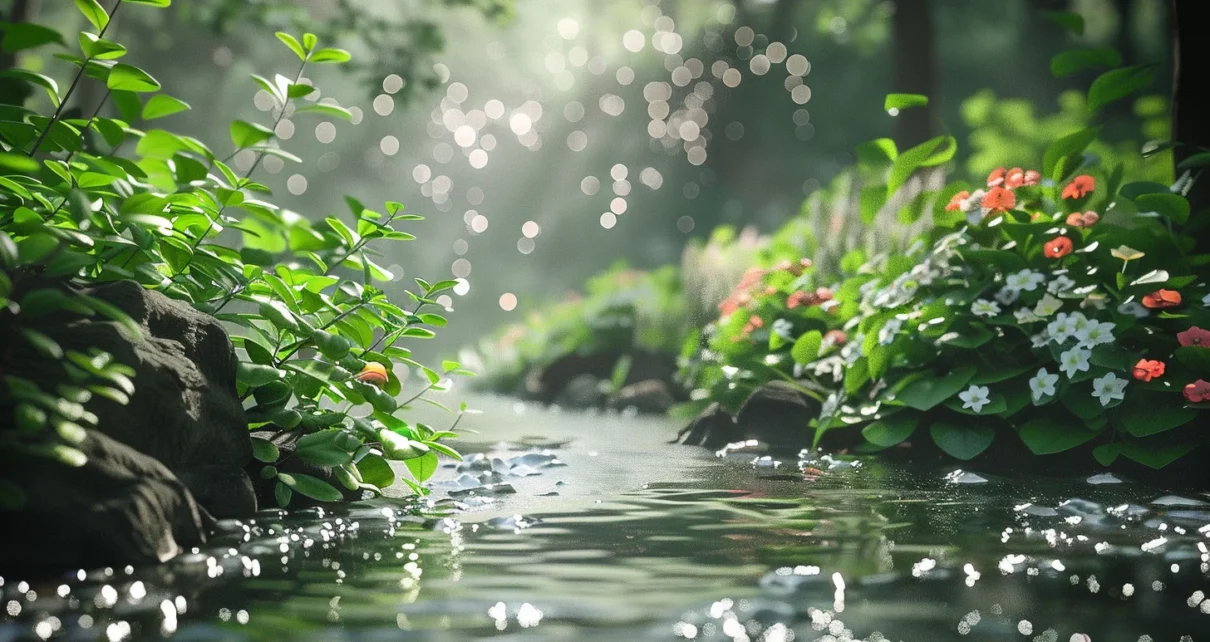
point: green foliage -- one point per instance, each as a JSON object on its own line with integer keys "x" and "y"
{"x": 318, "y": 341}
{"x": 620, "y": 311}
{"x": 1045, "y": 306}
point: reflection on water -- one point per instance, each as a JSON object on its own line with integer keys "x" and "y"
{"x": 634, "y": 538}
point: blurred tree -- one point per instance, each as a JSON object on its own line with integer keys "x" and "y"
{"x": 390, "y": 37}
{"x": 914, "y": 70}
{"x": 1190, "y": 98}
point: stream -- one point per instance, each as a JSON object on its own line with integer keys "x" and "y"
{"x": 589, "y": 526}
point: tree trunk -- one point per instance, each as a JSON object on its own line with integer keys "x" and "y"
{"x": 13, "y": 91}
{"x": 783, "y": 23}
{"x": 914, "y": 70}
{"x": 1190, "y": 99}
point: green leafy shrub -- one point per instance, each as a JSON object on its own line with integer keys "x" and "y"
{"x": 107, "y": 198}
{"x": 621, "y": 310}
{"x": 1064, "y": 307}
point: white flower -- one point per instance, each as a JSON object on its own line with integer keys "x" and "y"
{"x": 1134, "y": 309}
{"x": 1043, "y": 384}
{"x": 1095, "y": 333}
{"x": 1025, "y": 315}
{"x": 1040, "y": 340}
{"x": 1007, "y": 295}
{"x": 830, "y": 405}
{"x": 1047, "y": 306}
{"x": 1027, "y": 280}
{"x": 1073, "y": 361}
{"x": 1065, "y": 326}
{"x": 887, "y": 334}
{"x": 974, "y": 202}
{"x": 1108, "y": 388}
{"x": 851, "y": 351}
{"x": 975, "y": 397}
{"x": 1206, "y": 300}
{"x": 1060, "y": 284}
{"x": 985, "y": 308}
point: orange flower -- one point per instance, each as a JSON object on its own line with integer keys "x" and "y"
{"x": 1161, "y": 299}
{"x": 796, "y": 299}
{"x": 756, "y": 322}
{"x": 1198, "y": 391}
{"x": 1079, "y": 186}
{"x": 1014, "y": 178}
{"x": 1087, "y": 219}
{"x": 1148, "y": 369}
{"x": 1057, "y": 248}
{"x": 956, "y": 202}
{"x": 999, "y": 199}
{"x": 838, "y": 337}
{"x": 996, "y": 178}
{"x": 1194, "y": 336}
{"x": 823, "y": 294}
{"x": 373, "y": 373}
{"x": 1032, "y": 177}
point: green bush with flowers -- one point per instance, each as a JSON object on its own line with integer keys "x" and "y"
{"x": 1063, "y": 307}
{"x": 114, "y": 196}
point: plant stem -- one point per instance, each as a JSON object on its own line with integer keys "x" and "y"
{"x": 74, "y": 82}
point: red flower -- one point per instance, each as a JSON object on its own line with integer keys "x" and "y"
{"x": 756, "y": 322}
{"x": 1194, "y": 336}
{"x": 796, "y": 299}
{"x": 1032, "y": 177}
{"x": 1057, "y": 248}
{"x": 996, "y": 178}
{"x": 838, "y": 337}
{"x": 1148, "y": 369}
{"x": 1079, "y": 186}
{"x": 1198, "y": 391}
{"x": 823, "y": 294}
{"x": 373, "y": 373}
{"x": 1087, "y": 219}
{"x": 956, "y": 202}
{"x": 1014, "y": 178}
{"x": 1161, "y": 299}
{"x": 998, "y": 198}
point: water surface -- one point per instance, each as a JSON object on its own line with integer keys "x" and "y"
{"x": 590, "y": 527}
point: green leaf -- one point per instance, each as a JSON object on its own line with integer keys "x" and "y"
{"x": 1069, "y": 20}
{"x": 44, "y": 344}
{"x": 1156, "y": 455}
{"x": 254, "y": 374}
{"x": 1105, "y": 454}
{"x": 292, "y": 43}
{"x": 1146, "y": 413}
{"x": 398, "y": 447}
{"x": 94, "y": 47}
{"x": 123, "y": 77}
{"x": 1069, "y": 62}
{"x": 161, "y": 105}
{"x": 326, "y": 110}
{"x": 19, "y": 36}
{"x": 264, "y": 450}
{"x": 904, "y": 101}
{"x": 245, "y": 134}
{"x": 1117, "y": 84}
{"x": 332, "y": 346}
{"x": 375, "y": 470}
{"x": 95, "y": 13}
{"x": 962, "y": 442}
{"x": 806, "y": 347}
{"x": 312, "y": 487}
{"x": 46, "y": 82}
{"x": 927, "y": 154}
{"x": 282, "y": 494}
{"x": 1070, "y": 145}
{"x": 34, "y": 248}
{"x": 891, "y": 430}
{"x": 151, "y": 3}
{"x": 1046, "y": 436}
{"x": 324, "y": 449}
{"x": 929, "y": 391}
{"x": 331, "y": 55}
{"x": 422, "y": 467}
{"x": 1200, "y": 159}
{"x": 1171, "y": 206}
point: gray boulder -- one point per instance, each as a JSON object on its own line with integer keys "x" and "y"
{"x": 185, "y": 412}
{"x": 120, "y": 507}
